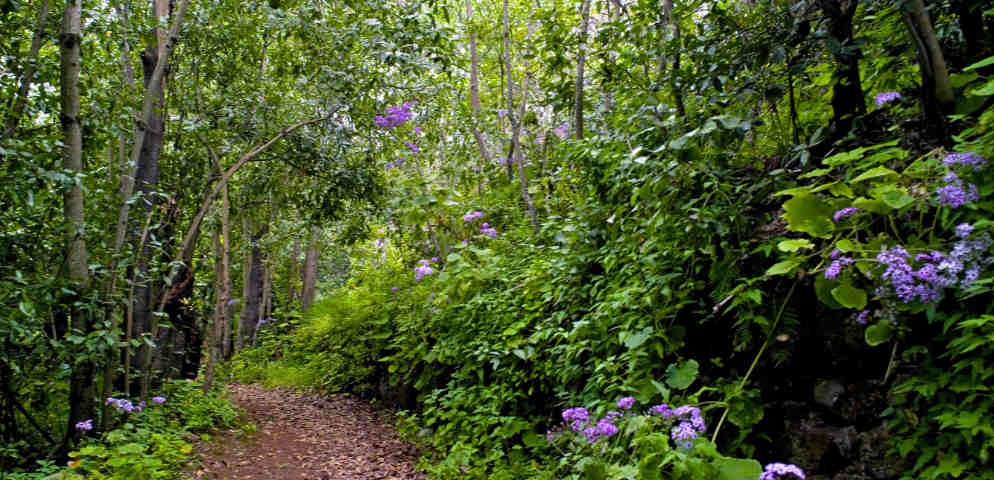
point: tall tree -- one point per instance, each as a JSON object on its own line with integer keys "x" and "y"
{"x": 81, "y": 387}
{"x": 847, "y": 90}
{"x": 936, "y": 87}
{"x": 310, "y": 271}
{"x": 580, "y": 59}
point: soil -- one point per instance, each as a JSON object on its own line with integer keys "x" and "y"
{"x": 310, "y": 437}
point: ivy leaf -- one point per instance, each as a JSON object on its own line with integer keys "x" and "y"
{"x": 874, "y": 173}
{"x": 849, "y": 296}
{"x": 809, "y": 214}
{"x": 794, "y": 245}
{"x": 682, "y": 375}
{"x": 738, "y": 468}
{"x": 877, "y": 333}
{"x": 784, "y": 267}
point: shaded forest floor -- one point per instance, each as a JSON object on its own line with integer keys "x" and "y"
{"x": 305, "y": 437}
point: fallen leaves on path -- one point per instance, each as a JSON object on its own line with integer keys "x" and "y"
{"x": 307, "y": 437}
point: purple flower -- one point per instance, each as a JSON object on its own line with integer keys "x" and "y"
{"x": 964, "y": 158}
{"x": 835, "y": 268}
{"x": 417, "y": 130}
{"x": 232, "y": 301}
{"x": 576, "y": 417}
{"x": 863, "y": 317}
{"x": 469, "y": 217}
{"x": 414, "y": 148}
{"x": 626, "y": 403}
{"x": 487, "y": 230}
{"x": 845, "y": 212}
{"x": 886, "y": 97}
{"x": 395, "y": 116}
{"x": 963, "y": 230}
{"x": 394, "y": 289}
{"x": 604, "y": 428}
{"x": 159, "y": 400}
{"x": 434, "y": 259}
{"x": 835, "y": 253}
{"x": 560, "y": 131}
{"x": 502, "y": 112}
{"x": 954, "y": 194}
{"x": 778, "y": 471}
{"x": 684, "y": 435}
{"x": 661, "y": 409}
{"x": 85, "y": 425}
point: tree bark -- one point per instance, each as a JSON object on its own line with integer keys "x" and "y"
{"x": 81, "y": 386}
{"x": 516, "y": 121}
{"x": 509, "y": 97}
{"x": 937, "y": 89}
{"x": 27, "y": 75}
{"x": 225, "y": 329}
{"x": 252, "y": 303}
{"x": 474, "y": 92}
{"x": 581, "y": 58}
{"x": 216, "y": 330}
{"x": 847, "y": 91}
{"x": 310, "y": 271}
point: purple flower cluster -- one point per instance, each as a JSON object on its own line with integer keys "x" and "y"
{"x": 845, "y": 212}
{"x": 395, "y": 116}
{"x": 232, "y": 301}
{"x": 937, "y": 270}
{"x": 885, "y": 97}
{"x": 85, "y": 425}
{"x": 125, "y": 405}
{"x": 690, "y": 426}
{"x": 779, "y": 471}
{"x": 604, "y": 428}
{"x": 626, "y": 403}
{"x": 417, "y": 130}
{"x": 835, "y": 268}
{"x": 487, "y": 230}
{"x": 502, "y": 112}
{"x": 955, "y": 193}
{"x": 414, "y": 148}
{"x": 964, "y": 158}
{"x": 469, "y": 217}
{"x": 396, "y": 163}
{"x": 863, "y": 318}
{"x": 159, "y": 400}
{"x": 394, "y": 289}
{"x": 560, "y": 131}
{"x": 576, "y": 417}
{"x": 423, "y": 268}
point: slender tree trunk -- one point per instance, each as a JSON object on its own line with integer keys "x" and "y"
{"x": 252, "y": 303}
{"x": 216, "y": 330}
{"x": 510, "y": 81}
{"x": 81, "y": 386}
{"x": 474, "y": 90}
{"x": 247, "y": 251}
{"x": 27, "y": 75}
{"x": 516, "y": 121}
{"x": 674, "y": 76}
{"x": 937, "y": 89}
{"x": 225, "y": 328}
{"x": 847, "y": 91}
{"x": 291, "y": 293}
{"x": 580, "y": 59}
{"x": 310, "y": 271}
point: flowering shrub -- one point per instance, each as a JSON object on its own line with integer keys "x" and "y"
{"x": 395, "y": 116}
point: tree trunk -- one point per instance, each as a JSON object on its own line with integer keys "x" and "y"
{"x": 291, "y": 293}
{"x": 516, "y": 121}
{"x": 474, "y": 92}
{"x": 27, "y": 75}
{"x": 252, "y": 303}
{"x": 145, "y": 151}
{"x": 509, "y": 96}
{"x": 310, "y": 271}
{"x": 225, "y": 328}
{"x": 937, "y": 89}
{"x": 847, "y": 91}
{"x": 971, "y": 22}
{"x": 581, "y": 57}
{"x": 81, "y": 386}
{"x": 675, "y": 89}
{"x": 216, "y": 329}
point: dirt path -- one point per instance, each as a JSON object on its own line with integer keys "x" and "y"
{"x": 306, "y": 437}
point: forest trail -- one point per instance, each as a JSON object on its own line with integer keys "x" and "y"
{"x": 306, "y": 437}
